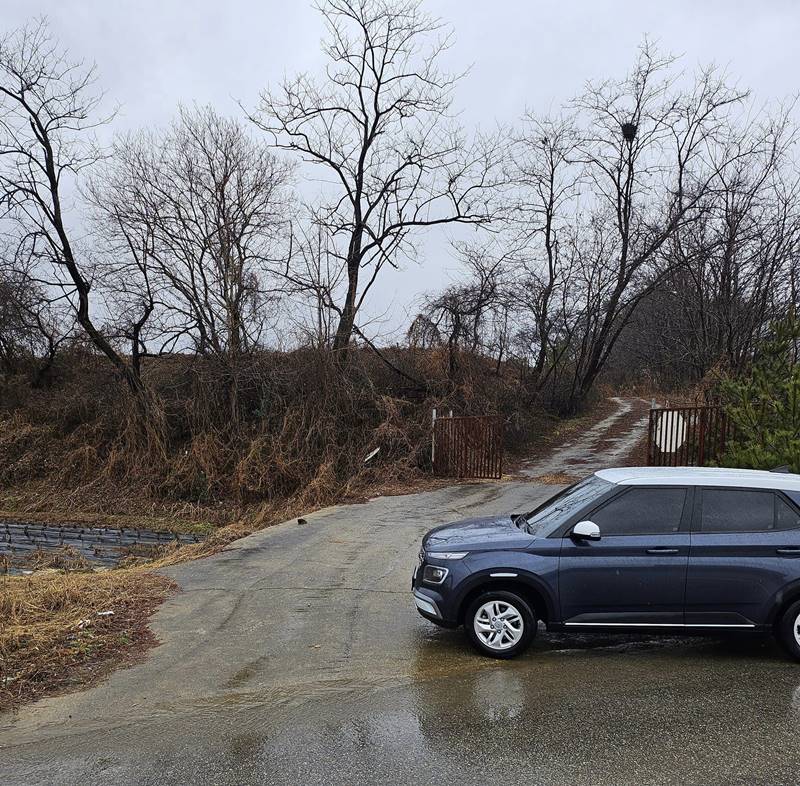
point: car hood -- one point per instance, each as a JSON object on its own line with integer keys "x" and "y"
{"x": 493, "y": 532}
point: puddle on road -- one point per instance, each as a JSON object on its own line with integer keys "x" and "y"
{"x": 578, "y": 709}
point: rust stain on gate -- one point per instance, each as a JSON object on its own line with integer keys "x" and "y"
{"x": 468, "y": 447}
{"x": 687, "y": 436}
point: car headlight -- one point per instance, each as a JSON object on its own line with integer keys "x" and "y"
{"x": 434, "y": 574}
{"x": 448, "y": 554}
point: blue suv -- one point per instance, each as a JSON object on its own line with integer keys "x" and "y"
{"x": 659, "y": 549}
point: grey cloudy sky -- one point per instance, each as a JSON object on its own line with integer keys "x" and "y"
{"x": 153, "y": 54}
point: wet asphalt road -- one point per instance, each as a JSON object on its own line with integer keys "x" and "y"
{"x": 297, "y": 656}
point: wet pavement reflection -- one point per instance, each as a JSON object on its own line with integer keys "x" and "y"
{"x": 575, "y": 710}
{"x": 596, "y": 710}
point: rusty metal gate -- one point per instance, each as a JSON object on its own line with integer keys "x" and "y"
{"x": 468, "y": 447}
{"x": 687, "y": 436}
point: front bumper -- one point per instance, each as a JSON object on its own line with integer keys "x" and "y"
{"x": 426, "y": 605}
{"x": 432, "y": 602}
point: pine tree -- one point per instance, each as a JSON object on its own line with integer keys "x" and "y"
{"x": 764, "y": 405}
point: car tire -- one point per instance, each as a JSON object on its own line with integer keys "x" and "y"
{"x": 789, "y": 630}
{"x": 500, "y": 624}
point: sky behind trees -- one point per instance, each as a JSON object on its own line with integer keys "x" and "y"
{"x": 155, "y": 54}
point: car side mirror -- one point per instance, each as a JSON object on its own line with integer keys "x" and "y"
{"x": 586, "y": 530}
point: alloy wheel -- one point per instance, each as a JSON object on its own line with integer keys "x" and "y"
{"x": 499, "y": 625}
{"x": 796, "y": 629}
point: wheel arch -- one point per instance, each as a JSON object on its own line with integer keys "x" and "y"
{"x": 785, "y": 598}
{"x": 528, "y": 587}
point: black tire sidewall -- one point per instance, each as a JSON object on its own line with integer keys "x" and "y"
{"x": 786, "y": 630}
{"x": 528, "y": 619}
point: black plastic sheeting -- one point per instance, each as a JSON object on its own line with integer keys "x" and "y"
{"x": 100, "y": 545}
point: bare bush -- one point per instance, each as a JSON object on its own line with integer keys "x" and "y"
{"x": 471, "y": 317}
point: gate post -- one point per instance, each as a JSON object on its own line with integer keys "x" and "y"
{"x": 701, "y": 448}
{"x": 433, "y": 441}
{"x": 651, "y": 442}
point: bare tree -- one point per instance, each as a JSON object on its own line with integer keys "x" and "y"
{"x": 312, "y": 276}
{"x": 380, "y": 127}
{"x": 726, "y": 276}
{"x": 194, "y": 218}
{"x": 48, "y": 109}
{"x": 542, "y": 220}
{"x": 126, "y": 274}
{"x": 737, "y": 261}
{"x": 646, "y": 157}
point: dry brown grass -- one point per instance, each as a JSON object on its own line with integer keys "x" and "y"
{"x": 302, "y": 425}
{"x": 104, "y": 503}
{"x": 54, "y": 635}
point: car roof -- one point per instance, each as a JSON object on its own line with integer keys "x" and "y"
{"x": 701, "y": 476}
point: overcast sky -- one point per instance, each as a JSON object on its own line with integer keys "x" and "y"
{"x": 153, "y": 54}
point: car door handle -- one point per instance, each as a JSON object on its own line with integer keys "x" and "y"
{"x": 789, "y": 551}
{"x": 663, "y": 551}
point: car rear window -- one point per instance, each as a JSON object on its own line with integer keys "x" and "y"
{"x": 794, "y": 496}
{"x": 737, "y": 510}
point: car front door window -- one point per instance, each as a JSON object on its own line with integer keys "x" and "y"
{"x": 642, "y": 512}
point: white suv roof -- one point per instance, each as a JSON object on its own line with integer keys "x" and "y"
{"x": 701, "y": 476}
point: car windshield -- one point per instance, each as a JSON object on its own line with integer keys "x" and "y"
{"x": 552, "y": 513}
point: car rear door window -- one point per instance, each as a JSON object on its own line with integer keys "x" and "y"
{"x": 642, "y": 511}
{"x": 786, "y": 515}
{"x": 737, "y": 510}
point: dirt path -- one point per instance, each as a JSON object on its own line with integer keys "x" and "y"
{"x": 611, "y": 442}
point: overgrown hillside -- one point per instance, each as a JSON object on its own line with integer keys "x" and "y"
{"x": 286, "y": 425}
